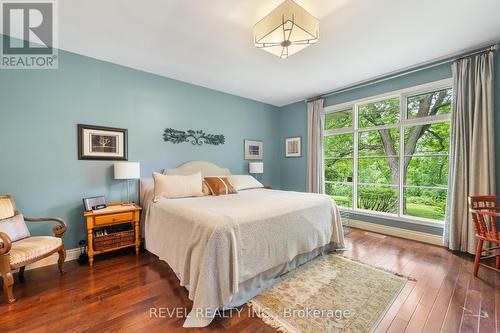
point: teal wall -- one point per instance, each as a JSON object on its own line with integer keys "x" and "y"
{"x": 40, "y": 109}
{"x": 293, "y": 123}
{"x": 293, "y": 118}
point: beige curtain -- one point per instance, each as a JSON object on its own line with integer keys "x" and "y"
{"x": 315, "y": 146}
{"x": 472, "y": 163}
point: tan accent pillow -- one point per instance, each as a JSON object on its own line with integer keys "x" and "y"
{"x": 220, "y": 185}
{"x": 178, "y": 186}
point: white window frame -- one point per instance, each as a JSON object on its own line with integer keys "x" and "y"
{"x": 404, "y": 122}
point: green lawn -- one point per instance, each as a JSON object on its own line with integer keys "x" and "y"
{"x": 425, "y": 211}
{"x": 412, "y": 209}
{"x": 342, "y": 201}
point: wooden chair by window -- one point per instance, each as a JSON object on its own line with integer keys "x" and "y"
{"x": 484, "y": 211}
{"x": 18, "y": 248}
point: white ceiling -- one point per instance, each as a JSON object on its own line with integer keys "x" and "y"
{"x": 209, "y": 43}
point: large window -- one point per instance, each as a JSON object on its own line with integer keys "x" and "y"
{"x": 389, "y": 155}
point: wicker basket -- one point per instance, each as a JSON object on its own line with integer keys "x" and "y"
{"x": 114, "y": 240}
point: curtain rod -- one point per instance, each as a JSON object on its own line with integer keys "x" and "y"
{"x": 409, "y": 70}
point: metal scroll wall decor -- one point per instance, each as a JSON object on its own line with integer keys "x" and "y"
{"x": 197, "y": 137}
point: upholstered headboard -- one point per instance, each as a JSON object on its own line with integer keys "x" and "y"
{"x": 206, "y": 168}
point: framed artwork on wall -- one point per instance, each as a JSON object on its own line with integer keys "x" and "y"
{"x": 293, "y": 147}
{"x": 254, "y": 150}
{"x": 102, "y": 143}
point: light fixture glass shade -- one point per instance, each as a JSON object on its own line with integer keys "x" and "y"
{"x": 127, "y": 170}
{"x": 256, "y": 167}
{"x": 286, "y": 30}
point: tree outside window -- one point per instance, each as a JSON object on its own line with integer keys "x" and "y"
{"x": 404, "y": 136}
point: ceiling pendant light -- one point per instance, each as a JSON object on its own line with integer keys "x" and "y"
{"x": 286, "y": 30}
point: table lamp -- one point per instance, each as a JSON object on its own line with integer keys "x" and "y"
{"x": 128, "y": 171}
{"x": 256, "y": 168}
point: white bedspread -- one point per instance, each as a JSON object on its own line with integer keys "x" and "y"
{"x": 213, "y": 243}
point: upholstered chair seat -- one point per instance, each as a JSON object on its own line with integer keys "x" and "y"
{"x": 30, "y": 249}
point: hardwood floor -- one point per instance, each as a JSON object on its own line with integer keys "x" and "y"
{"x": 116, "y": 296}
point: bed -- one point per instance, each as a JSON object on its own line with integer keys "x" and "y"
{"x": 226, "y": 249}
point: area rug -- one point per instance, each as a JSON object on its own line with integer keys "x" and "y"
{"x": 329, "y": 294}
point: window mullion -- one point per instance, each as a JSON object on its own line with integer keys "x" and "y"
{"x": 428, "y": 120}
{"x": 355, "y": 159}
{"x": 338, "y": 131}
{"x": 402, "y": 119}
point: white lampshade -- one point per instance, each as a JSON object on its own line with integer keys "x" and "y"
{"x": 127, "y": 170}
{"x": 286, "y": 30}
{"x": 256, "y": 167}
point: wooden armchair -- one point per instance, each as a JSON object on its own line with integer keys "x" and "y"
{"x": 485, "y": 212}
{"x": 18, "y": 254}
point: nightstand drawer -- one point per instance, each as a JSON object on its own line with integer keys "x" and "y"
{"x": 114, "y": 218}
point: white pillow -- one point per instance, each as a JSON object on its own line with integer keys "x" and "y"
{"x": 243, "y": 182}
{"x": 178, "y": 186}
{"x": 15, "y": 227}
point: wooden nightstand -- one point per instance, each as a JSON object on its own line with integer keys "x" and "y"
{"x": 112, "y": 217}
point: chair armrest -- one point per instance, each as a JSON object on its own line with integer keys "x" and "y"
{"x": 58, "y": 230}
{"x": 6, "y": 243}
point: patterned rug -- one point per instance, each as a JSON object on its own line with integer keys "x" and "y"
{"x": 329, "y": 294}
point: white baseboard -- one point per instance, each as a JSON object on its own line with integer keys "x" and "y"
{"x": 71, "y": 254}
{"x": 398, "y": 232}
